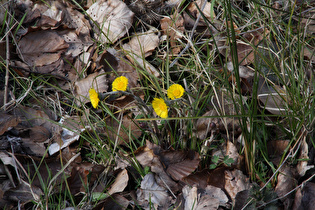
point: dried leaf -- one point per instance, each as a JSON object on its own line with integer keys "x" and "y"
{"x": 190, "y": 196}
{"x": 142, "y": 45}
{"x": 235, "y": 181}
{"x": 83, "y": 175}
{"x": 207, "y": 202}
{"x": 286, "y": 183}
{"x": 113, "y": 17}
{"x": 179, "y": 164}
{"x": 144, "y": 156}
{"x": 302, "y": 166}
{"x": 215, "y": 192}
{"x": 232, "y": 152}
{"x": 77, "y": 44}
{"x": 116, "y": 202}
{"x": 23, "y": 192}
{"x": 7, "y": 122}
{"x": 208, "y": 11}
{"x": 120, "y": 183}
{"x": 277, "y": 147}
{"x": 41, "y": 48}
{"x": 151, "y": 191}
{"x": 172, "y": 29}
{"x": 305, "y": 197}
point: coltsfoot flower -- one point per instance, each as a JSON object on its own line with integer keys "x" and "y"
{"x": 160, "y": 107}
{"x": 94, "y": 97}
{"x": 175, "y": 91}
{"x": 120, "y": 84}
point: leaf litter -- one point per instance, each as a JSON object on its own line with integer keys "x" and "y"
{"x": 38, "y": 150}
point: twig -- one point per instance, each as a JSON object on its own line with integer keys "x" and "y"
{"x": 7, "y": 67}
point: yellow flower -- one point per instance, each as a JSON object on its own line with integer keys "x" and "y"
{"x": 94, "y": 97}
{"x": 120, "y": 84}
{"x": 175, "y": 91}
{"x": 160, "y": 107}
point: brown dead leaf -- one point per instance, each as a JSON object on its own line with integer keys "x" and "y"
{"x": 113, "y": 17}
{"x": 144, "y": 156}
{"x": 277, "y": 147}
{"x": 286, "y": 183}
{"x": 305, "y": 197}
{"x": 77, "y": 44}
{"x": 41, "y": 48}
{"x": 7, "y": 122}
{"x": 31, "y": 117}
{"x": 83, "y": 175}
{"x": 196, "y": 5}
{"x": 302, "y": 166}
{"x": 150, "y": 191}
{"x": 115, "y": 201}
{"x": 179, "y": 164}
{"x": 207, "y": 177}
{"x": 172, "y": 30}
{"x": 148, "y": 156}
{"x": 32, "y": 147}
{"x": 142, "y": 45}
{"x": 235, "y": 181}
{"x": 232, "y": 152}
{"x": 120, "y": 183}
{"x": 23, "y": 193}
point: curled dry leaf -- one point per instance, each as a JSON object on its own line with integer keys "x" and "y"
{"x": 77, "y": 44}
{"x": 113, "y": 17}
{"x": 120, "y": 183}
{"x": 150, "y": 191}
{"x": 24, "y": 192}
{"x": 82, "y": 174}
